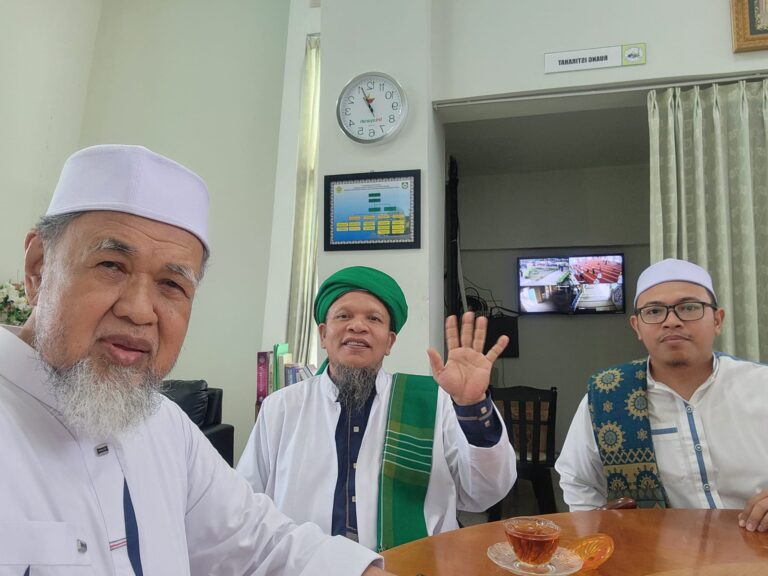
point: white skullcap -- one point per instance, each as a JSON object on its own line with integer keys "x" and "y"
{"x": 134, "y": 180}
{"x": 671, "y": 270}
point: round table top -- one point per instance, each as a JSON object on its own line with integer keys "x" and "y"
{"x": 647, "y": 543}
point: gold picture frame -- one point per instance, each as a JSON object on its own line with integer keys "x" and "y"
{"x": 749, "y": 20}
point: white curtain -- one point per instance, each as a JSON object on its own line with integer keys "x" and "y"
{"x": 709, "y": 198}
{"x": 301, "y": 330}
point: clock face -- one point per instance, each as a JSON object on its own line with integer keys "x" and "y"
{"x": 371, "y": 107}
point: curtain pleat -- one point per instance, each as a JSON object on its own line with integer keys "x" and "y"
{"x": 709, "y": 197}
{"x": 301, "y": 330}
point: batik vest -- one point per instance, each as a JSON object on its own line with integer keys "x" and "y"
{"x": 618, "y": 405}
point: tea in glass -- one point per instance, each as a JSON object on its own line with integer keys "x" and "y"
{"x": 534, "y": 540}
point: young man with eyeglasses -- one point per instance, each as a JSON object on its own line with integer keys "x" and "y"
{"x": 684, "y": 428}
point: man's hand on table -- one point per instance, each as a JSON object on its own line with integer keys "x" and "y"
{"x": 754, "y": 517}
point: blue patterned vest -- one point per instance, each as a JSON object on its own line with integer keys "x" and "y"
{"x": 618, "y": 405}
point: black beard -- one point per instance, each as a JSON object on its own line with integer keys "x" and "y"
{"x": 354, "y": 385}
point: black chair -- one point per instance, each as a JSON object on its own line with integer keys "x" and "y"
{"x": 203, "y": 406}
{"x": 529, "y": 415}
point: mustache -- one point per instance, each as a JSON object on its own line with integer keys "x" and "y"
{"x": 665, "y": 337}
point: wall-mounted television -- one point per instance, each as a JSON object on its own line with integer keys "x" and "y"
{"x": 592, "y": 284}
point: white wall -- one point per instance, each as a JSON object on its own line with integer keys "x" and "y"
{"x": 303, "y": 20}
{"x": 355, "y": 40}
{"x": 201, "y": 82}
{"x": 504, "y": 216}
{"x": 487, "y": 47}
{"x": 45, "y": 60}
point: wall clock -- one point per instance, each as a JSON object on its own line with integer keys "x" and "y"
{"x": 372, "y": 107}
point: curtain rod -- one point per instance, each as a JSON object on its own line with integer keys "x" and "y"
{"x": 594, "y": 92}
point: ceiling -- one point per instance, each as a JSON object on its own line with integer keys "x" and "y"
{"x": 556, "y": 141}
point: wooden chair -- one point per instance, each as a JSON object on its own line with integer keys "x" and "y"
{"x": 529, "y": 415}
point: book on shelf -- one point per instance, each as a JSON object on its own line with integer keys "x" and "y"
{"x": 307, "y": 371}
{"x": 293, "y": 373}
{"x": 262, "y": 376}
{"x": 277, "y": 351}
{"x": 283, "y": 361}
{"x": 270, "y": 372}
{"x": 275, "y": 369}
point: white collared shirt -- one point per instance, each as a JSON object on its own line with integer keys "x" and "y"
{"x": 712, "y": 450}
{"x": 61, "y": 508}
{"x": 291, "y": 456}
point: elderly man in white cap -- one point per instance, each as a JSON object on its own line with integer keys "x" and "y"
{"x": 101, "y": 474}
{"x": 684, "y": 428}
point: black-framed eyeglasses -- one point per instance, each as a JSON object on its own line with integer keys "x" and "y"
{"x": 686, "y": 311}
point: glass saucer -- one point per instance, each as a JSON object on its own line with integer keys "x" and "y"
{"x": 563, "y": 561}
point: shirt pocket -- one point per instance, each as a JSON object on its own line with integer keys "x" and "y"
{"x": 44, "y": 547}
{"x": 665, "y": 433}
{"x": 670, "y": 455}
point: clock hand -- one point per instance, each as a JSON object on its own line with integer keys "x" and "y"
{"x": 367, "y": 101}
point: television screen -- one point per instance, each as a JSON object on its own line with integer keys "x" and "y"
{"x": 572, "y": 284}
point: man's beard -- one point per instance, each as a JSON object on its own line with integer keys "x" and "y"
{"x": 95, "y": 397}
{"x": 677, "y": 363}
{"x": 354, "y": 385}
{"x": 106, "y": 402}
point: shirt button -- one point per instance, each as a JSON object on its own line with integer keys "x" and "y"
{"x": 706, "y": 487}
{"x": 82, "y": 547}
{"x": 356, "y": 429}
{"x": 689, "y": 409}
{"x": 354, "y": 465}
{"x": 354, "y": 498}
{"x": 698, "y": 447}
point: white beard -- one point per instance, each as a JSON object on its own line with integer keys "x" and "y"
{"x": 107, "y": 402}
{"x": 99, "y": 401}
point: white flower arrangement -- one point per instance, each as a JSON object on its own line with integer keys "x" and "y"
{"x": 14, "y": 307}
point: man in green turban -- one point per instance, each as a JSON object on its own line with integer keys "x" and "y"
{"x": 380, "y": 458}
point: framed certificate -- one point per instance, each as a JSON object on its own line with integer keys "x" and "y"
{"x": 749, "y": 21}
{"x": 373, "y": 210}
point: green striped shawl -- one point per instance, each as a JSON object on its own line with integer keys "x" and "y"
{"x": 407, "y": 460}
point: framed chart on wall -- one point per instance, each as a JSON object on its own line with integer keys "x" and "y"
{"x": 749, "y": 21}
{"x": 373, "y": 210}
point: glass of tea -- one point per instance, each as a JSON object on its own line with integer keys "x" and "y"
{"x": 534, "y": 540}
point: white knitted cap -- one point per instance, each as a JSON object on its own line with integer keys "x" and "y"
{"x": 134, "y": 180}
{"x": 671, "y": 270}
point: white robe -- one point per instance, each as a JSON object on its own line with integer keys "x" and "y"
{"x": 291, "y": 456}
{"x": 61, "y": 503}
{"x": 711, "y": 451}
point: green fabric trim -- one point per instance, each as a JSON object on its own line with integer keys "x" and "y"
{"x": 407, "y": 460}
{"x": 618, "y": 406}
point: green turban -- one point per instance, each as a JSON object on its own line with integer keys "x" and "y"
{"x": 370, "y": 280}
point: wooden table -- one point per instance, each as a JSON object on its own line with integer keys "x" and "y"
{"x": 647, "y": 542}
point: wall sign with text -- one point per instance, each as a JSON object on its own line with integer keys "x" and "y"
{"x": 607, "y": 57}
